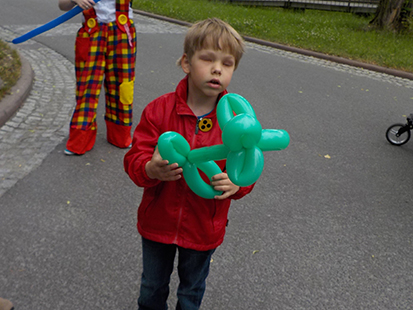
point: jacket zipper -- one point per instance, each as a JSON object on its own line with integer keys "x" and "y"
{"x": 178, "y": 224}
{"x": 197, "y": 125}
{"x": 196, "y": 131}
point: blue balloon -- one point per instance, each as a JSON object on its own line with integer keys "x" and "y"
{"x": 50, "y": 25}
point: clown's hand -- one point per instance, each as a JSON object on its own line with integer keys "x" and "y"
{"x": 84, "y": 4}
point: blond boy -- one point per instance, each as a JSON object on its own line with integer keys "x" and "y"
{"x": 171, "y": 218}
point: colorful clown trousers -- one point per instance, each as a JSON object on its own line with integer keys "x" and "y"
{"x": 103, "y": 52}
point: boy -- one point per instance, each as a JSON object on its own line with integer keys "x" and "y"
{"x": 171, "y": 217}
{"x": 105, "y": 48}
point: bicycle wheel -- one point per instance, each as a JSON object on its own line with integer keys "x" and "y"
{"x": 393, "y": 138}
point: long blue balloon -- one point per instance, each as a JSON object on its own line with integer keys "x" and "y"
{"x": 53, "y": 23}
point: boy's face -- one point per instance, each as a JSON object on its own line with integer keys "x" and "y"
{"x": 210, "y": 71}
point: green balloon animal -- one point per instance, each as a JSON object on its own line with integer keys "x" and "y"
{"x": 243, "y": 139}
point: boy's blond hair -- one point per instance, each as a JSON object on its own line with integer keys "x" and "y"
{"x": 216, "y": 34}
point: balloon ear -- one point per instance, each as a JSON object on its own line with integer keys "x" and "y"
{"x": 173, "y": 147}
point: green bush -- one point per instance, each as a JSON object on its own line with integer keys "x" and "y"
{"x": 10, "y": 66}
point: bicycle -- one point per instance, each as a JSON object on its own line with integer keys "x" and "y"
{"x": 398, "y": 134}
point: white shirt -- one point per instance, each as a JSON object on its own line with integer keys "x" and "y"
{"x": 106, "y": 11}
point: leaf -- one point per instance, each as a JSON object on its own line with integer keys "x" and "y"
{"x": 255, "y": 252}
{"x": 327, "y": 156}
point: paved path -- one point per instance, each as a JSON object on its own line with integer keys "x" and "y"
{"x": 42, "y": 123}
{"x": 327, "y": 227}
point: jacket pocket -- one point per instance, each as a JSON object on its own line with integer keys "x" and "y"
{"x": 220, "y": 216}
{"x": 150, "y": 199}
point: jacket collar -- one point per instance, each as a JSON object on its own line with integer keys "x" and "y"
{"x": 181, "y": 92}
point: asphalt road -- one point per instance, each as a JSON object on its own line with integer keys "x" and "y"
{"x": 328, "y": 225}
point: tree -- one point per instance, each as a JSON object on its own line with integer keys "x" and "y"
{"x": 393, "y": 15}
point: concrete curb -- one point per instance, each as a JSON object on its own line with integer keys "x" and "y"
{"x": 19, "y": 92}
{"x": 353, "y": 63}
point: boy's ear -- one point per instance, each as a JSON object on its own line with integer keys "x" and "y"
{"x": 185, "y": 63}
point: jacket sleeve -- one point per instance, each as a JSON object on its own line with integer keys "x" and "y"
{"x": 145, "y": 138}
{"x": 242, "y": 192}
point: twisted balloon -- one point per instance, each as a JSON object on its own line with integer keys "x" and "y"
{"x": 50, "y": 25}
{"x": 243, "y": 139}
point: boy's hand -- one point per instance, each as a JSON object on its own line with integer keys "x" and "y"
{"x": 221, "y": 182}
{"x": 157, "y": 168}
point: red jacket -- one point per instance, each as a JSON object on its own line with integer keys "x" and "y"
{"x": 170, "y": 212}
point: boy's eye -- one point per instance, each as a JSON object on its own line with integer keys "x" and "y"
{"x": 228, "y": 63}
{"x": 204, "y": 58}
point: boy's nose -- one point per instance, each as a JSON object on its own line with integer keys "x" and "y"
{"x": 216, "y": 70}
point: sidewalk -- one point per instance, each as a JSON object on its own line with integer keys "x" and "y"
{"x": 42, "y": 103}
{"x": 39, "y": 111}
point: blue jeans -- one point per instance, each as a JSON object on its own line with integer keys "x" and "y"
{"x": 158, "y": 263}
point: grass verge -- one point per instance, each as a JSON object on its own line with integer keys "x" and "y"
{"x": 334, "y": 33}
{"x": 10, "y": 66}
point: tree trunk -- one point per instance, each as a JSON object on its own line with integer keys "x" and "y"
{"x": 393, "y": 15}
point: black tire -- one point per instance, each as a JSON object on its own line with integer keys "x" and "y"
{"x": 393, "y": 138}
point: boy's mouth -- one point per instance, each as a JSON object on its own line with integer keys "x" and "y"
{"x": 215, "y": 82}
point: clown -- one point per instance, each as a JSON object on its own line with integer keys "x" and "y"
{"x": 105, "y": 51}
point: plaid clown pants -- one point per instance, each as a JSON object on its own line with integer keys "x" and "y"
{"x": 106, "y": 54}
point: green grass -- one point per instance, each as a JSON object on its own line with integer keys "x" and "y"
{"x": 335, "y": 33}
{"x": 9, "y": 68}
